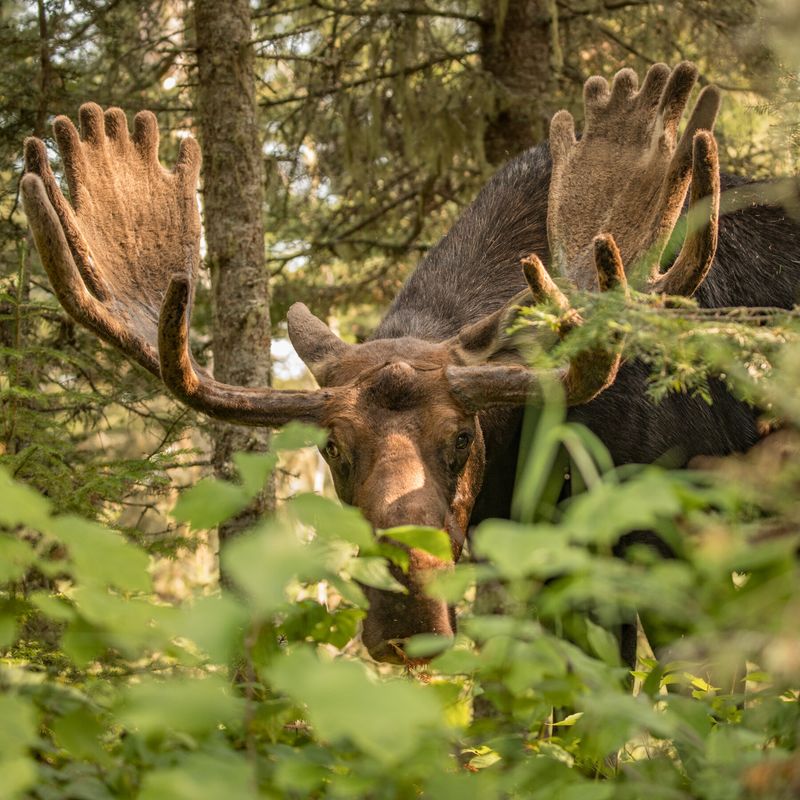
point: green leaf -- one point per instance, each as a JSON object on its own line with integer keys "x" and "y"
{"x": 603, "y": 643}
{"x": 210, "y": 502}
{"x": 53, "y": 606}
{"x": 431, "y": 540}
{"x": 387, "y": 720}
{"x": 194, "y": 706}
{"x": 79, "y": 734}
{"x": 21, "y": 505}
{"x": 374, "y": 571}
{"x": 331, "y": 520}
{"x": 19, "y": 774}
{"x": 264, "y": 560}
{"x": 8, "y": 630}
{"x": 452, "y": 585}
{"x": 424, "y": 645}
{"x": 18, "y": 731}
{"x": 254, "y": 469}
{"x": 295, "y": 435}
{"x": 522, "y": 550}
{"x": 16, "y": 556}
{"x": 215, "y": 624}
{"x": 18, "y": 725}
{"x": 101, "y": 556}
{"x": 608, "y": 510}
{"x": 202, "y": 776}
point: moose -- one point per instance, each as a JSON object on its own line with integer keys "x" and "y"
{"x": 424, "y": 418}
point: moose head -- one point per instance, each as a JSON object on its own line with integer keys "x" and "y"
{"x": 404, "y": 415}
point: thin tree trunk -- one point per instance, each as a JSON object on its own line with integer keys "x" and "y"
{"x": 233, "y": 217}
{"x": 519, "y": 48}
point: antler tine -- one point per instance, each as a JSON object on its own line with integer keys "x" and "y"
{"x": 66, "y": 278}
{"x": 243, "y": 405}
{"x": 697, "y": 253}
{"x": 587, "y": 374}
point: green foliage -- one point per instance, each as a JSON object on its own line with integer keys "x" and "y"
{"x": 374, "y": 116}
{"x": 107, "y": 692}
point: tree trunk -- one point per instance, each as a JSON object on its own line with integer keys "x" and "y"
{"x": 519, "y": 48}
{"x": 233, "y": 215}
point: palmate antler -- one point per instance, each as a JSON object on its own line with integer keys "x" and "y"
{"x": 127, "y": 251}
{"x": 614, "y": 199}
{"x": 628, "y": 176}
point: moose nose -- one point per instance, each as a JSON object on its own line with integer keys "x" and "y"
{"x": 393, "y": 618}
{"x": 390, "y": 651}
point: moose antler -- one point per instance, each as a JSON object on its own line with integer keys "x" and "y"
{"x": 132, "y": 224}
{"x": 587, "y": 374}
{"x": 628, "y": 176}
{"x": 130, "y": 242}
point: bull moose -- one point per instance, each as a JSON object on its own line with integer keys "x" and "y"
{"x": 424, "y": 418}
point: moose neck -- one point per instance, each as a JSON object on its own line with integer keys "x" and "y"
{"x": 475, "y": 268}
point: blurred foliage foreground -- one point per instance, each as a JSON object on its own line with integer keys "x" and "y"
{"x": 107, "y": 691}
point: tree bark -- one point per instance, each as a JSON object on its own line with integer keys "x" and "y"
{"x": 519, "y": 48}
{"x": 233, "y": 216}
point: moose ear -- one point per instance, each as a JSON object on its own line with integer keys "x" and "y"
{"x": 314, "y": 341}
{"x": 488, "y": 339}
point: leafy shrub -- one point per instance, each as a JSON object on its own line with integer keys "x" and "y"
{"x": 108, "y": 692}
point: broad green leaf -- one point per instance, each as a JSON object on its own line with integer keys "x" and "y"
{"x": 210, "y": 502}
{"x": 19, "y": 774}
{"x": 603, "y": 643}
{"x": 102, "y": 556}
{"x": 79, "y": 734}
{"x": 609, "y": 510}
{"x": 52, "y": 606}
{"x": 263, "y": 561}
{"x": 131, "y": 625}
{"x": 21, "y": 505}
{"x": 195, "y": 706}
{"x": 431, "y": 540}
{"x": 18, "y": 731}
{"x": 451, "y": 585}
{"x": 484, "y": 757}
{"x": 424, "y": 645}
{"x": 374, "y": 571}
{"x": 254, "y": 470}
{"x": 331, "y": 520}
{"x": 295, "y": 435}
{"x": 519, "y": 551}
{"x": 8, "y": 630}
{"x": 386, "y": 720}
{"x": 215, "y": 624}
{"x": 18, "y": 725}
{"x": 16, "y": 556}
{"x": 202, "y": 776}
{"x": 82, "y": 642}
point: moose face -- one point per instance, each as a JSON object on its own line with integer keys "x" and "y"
{"x": 405, "y": 451}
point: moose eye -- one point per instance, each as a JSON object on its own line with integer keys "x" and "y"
{"x": 463, "y": 440}
{"x": 331, "y": 450}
